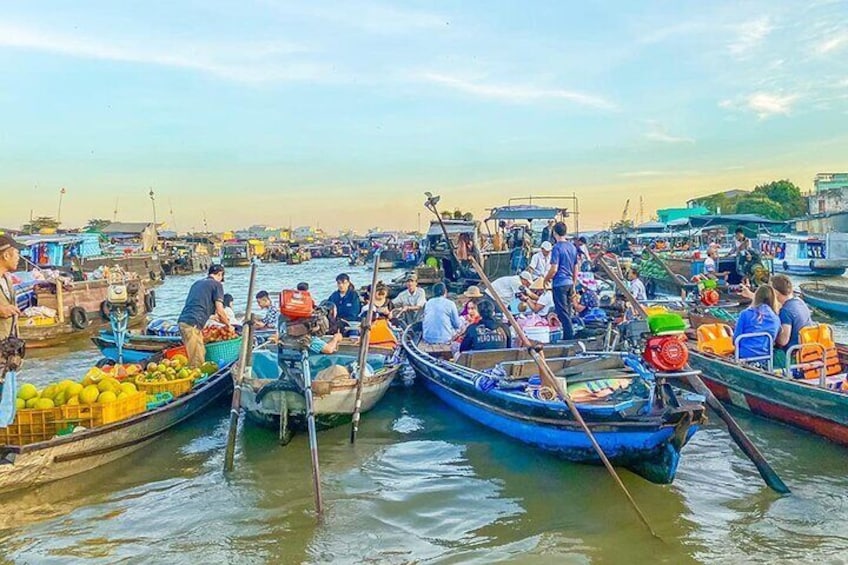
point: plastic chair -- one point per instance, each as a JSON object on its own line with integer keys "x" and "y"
{"x": 821, "y": 334}
{"x": 716, "y": 339}
{"x": 757, "y": 358}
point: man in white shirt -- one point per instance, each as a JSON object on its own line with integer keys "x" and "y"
{"x": 540, "y": 263}
{"x": 636, "y": 286}
{"x": 410, "y": 302}
{"x": 544, "y": 305}
{"x": 507, "y": 287}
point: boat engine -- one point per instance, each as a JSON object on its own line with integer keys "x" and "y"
{"x": 667, "y": 353}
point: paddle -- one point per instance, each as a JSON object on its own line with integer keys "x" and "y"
{"x": 675, "y": 278}
{"x": 741, "y": 439}
{"x": 551, "y": 380}
{"x": 244, "y": 358}
{"x": 313, "y": 436}
{"x": 364, "y": 340}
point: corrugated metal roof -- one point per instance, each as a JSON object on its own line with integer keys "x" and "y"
{"x": 126, "y": 227}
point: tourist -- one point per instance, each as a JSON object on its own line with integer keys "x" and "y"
{"x": 540, "y": 263}
{"x": 9, "y": 312}
{"x": 585, "y": 300}
{"x": 488, "y": 333}
{"x": 205, "y": 298}
{"x": 441, "y": 317}
{"x": 346, "y": 299}
{"x": 543, "y": 305}
{"x": 548, "y": 232}
{"x": 563, "y": 277}
{"x": 636, "y": 286}
{"x": 469, "y": 315}
{"x": 269, "y": 321}
{"x": 506, "y": 288}
{"x": 794, "y": 315}
{"x": 228, "y": 308}
{"x": 383, "y": 306}
{"x": 583, "y": 256}
{"x": 410, "y": 302}
{"x": 760, "y": 317}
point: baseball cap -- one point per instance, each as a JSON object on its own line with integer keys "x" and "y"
{"x": 6, "y": 242}
{"x": 526, "y": 276}
{"x": 546, "y": 245}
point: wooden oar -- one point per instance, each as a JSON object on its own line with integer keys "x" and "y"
{"x": 551, "y": 380}
{"x": 244, "y": 359}
{"x": 313, "y": 436}
{"x": 364, "y": 339}
{"x": 770, "y": 477}
{"x": 674, "y": 276}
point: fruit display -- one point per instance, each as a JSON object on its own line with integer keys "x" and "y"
{"x": 650, "y": 268}
{"x": 95, "y": 388}
{"x": 174, "y": 369}
{"x": 219, "y": 333}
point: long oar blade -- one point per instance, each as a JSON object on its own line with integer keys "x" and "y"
{"x": 244, "y": 358}
{"x": 364, "y": 342}
{"x": 547, "y": 374}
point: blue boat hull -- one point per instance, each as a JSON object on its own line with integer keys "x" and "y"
{"x": 649, "y": 447}
{"x": 831, "y": 306}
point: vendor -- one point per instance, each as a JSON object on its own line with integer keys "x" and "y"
{"x": 9, "y": 312}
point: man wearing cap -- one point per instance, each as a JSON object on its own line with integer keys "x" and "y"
{"x": 540, "y": 263}
{"x": 9, "y": 312}
{"x": 507, "y": 287}
{"x": 205, "y": 297}
{"x": 410, "y": 302}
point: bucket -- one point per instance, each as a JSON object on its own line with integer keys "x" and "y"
{"x": 542, "y": 334}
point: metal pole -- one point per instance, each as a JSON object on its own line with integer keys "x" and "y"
{"x": 313, "y": 437}
{"x": 59, "y": 213}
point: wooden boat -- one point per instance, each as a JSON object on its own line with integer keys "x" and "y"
{"x": 27, "y": 466}
{"x": 236, "y": 254}
{"x": 797, "y": 402}
{"x": 275, "y": 401}
{"x": 832, "y": 299}
{"x": 80, "y": 308}
{"x": 642, "y": 426}
{"x": 137, "y": 347}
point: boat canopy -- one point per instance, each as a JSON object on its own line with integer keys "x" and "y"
{"x": 452, "y": 226}
{"x": 524, "y": 212}
{"x": 734, "y": 220}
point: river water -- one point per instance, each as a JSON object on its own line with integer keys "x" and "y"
{"x": 422, "y": 485}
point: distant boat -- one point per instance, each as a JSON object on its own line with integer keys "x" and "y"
{"x": 823, "y": 255}
{"x": 832, "y": 299}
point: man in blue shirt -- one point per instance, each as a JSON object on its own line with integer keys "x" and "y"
{"x": 794, "y": 313}
{"x": 272, "y": 314}
{"x": 563, "y": 277}
{"x": 205, "y": 297}
{"x": 346, "y": 299}
{"x": 441, "y": 318}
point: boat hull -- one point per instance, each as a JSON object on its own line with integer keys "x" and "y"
{"x": 38, "y": 463}
{"x": 37, "y": 337}
{"x": 828, "y": 298}
{"x": 650, "y": 448}
{"x": 814, "y": 409}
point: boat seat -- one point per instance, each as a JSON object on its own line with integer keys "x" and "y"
{"x": 810, "y": 339}
{"x": 716, "y": 339}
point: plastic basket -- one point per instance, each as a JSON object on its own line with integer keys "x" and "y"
{"x": 93, "y": 415}
{"x": 177, "y": 387}
{"x": 174, "y": 351}
{"x": 223, "y": 352}
{"x": 31, "y": 426}
{"x": 665, "y": 323}
{"x": 158, "y": 400}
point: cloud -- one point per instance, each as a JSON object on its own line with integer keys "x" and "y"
{"x": 518, "y": 93}
{"x": 243, "y": 62}
{"x": 767, "y": 105}
{"x": 658, "y": 133}
{"x": 833, "y": 43}
{"x": 750, "y": 35}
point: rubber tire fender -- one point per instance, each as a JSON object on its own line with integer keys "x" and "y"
{"x": 149, "y": 302}
{"x": 78, "y": 317}
{"x": 105, "y": 310}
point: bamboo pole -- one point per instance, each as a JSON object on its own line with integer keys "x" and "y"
{"x": 364, "y": 340}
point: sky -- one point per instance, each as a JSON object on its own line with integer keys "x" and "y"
{"x": 342, "y": 113}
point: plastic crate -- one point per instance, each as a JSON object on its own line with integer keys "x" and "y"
{"x": 31, "y": 426}
{"x": 177, "y": 387}
{"x": 93, "y": 415}
{"x": 223, "y": 352}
